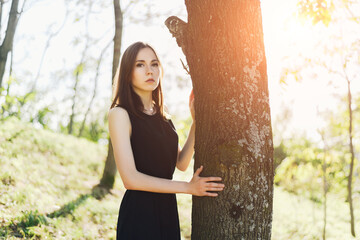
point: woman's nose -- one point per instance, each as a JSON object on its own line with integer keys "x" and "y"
{"x": 149, "y": 70}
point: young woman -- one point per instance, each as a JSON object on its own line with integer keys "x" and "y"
{"x": 146, "y": 150}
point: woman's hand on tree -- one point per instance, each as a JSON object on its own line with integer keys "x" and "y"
{"x": 199, "y": 186}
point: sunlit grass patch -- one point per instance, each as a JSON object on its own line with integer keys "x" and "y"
{"x": 184, "y": 202}
{"x": 297, "y": 217}
{"x": 44, "y": 178}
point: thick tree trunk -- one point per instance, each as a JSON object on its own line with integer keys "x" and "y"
{"x": 7, "y": 44}
{"x": 109, "y": 173}
{"x": 224, "y": 46}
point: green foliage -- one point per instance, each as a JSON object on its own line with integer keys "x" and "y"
{"x": 94, "y": 131}
{"x": 42, "y": 117}
{"x": 302, "y": 171}
{"x": 30, "y": 219}
{"x": 14, "y": 105}
{"x": 11, "y": 105}
{"x": 182, "y": 128}
{"x": 279, "y": 154}
{"x": 316, "y": 10}
{"x": 299, "y": 171}
{"x": 79, "y": 69}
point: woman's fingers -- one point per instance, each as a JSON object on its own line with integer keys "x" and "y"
{"x": 198, "y": 171}
{"x": 206, "y": 186}
{"x": 218, "y": 185}
{"x": 212, "y": 179}
{"x": 211, "y": 194}
{"x": 215, "y": 189}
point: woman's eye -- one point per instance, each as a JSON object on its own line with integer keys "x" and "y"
{"x": 139, "y": 65}
{"x": 155, "y": 64}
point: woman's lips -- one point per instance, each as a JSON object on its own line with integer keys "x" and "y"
{"x": 150, "y": 80}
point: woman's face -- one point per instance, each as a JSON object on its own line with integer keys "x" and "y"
{"x": 146, "y": 73}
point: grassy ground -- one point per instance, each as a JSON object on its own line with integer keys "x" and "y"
{"x": 46, "y": 192}
{"x": 296, "y": 217}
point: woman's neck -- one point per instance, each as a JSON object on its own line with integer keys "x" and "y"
{"x": 146, "y": 99}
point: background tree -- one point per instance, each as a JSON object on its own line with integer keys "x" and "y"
{"x": 338, "y": 60}
{"x": 325, "y": 184}
{"x": 108, "y": 177}
{"x": 223, "y": 44}
{"x": 7, "y": 42}
{"x": 79, "y": 69}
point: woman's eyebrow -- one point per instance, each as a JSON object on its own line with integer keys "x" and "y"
{"x": 154, "y": 60}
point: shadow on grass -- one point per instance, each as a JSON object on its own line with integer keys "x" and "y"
{"x": 100, "y": 191}
{"x": 21, "y": 226}
{"x": 69, "y": 207}
{"x": 13, "y": 137}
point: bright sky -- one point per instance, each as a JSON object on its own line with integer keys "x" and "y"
{"x": 284, "y": 36}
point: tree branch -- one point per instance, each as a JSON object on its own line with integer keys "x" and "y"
{"x": 177, "y": 28}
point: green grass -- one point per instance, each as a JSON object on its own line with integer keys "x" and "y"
{"x": 296, "y": 217}
{"x": 46, "y": 182}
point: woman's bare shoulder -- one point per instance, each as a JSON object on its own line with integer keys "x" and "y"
{"x": 118, "y": 114}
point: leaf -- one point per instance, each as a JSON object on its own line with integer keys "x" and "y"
{"x": 79, "y": 69}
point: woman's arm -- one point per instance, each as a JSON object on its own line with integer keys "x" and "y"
{"x": 120, "y": 131}
{"x": 185, "y": 154}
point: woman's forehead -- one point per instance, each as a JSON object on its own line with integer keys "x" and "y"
{"x": 146, "y": 54}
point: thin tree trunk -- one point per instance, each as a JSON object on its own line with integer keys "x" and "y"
{"x": 6, "y": 45}
{"x": 325, "y": 196}
{"x": 95, "y": 89}
{"x": 47, "y": 45}
{"x": 78, "y": 71}
{"x": 325, "y": 184}
{"x": 352, "y": 220}
{"x": 1, "y": 12}
{"x": 75, "y": 88}
{"x": 224, "y": 47}
{"x": 108, "y": 177}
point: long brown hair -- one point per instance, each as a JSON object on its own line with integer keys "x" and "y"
{"x": 123, "y": 92}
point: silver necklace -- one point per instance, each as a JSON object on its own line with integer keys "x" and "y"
{"x": 150, "y": 110}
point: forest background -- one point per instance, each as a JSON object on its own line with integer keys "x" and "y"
{"x": 57, "y": 80}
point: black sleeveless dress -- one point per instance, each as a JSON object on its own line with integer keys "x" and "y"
{"x": 149, "y": 215}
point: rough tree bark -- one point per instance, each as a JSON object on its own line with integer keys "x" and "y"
{"x": 224, "y": 47}
{"x": 108, "y": 177}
